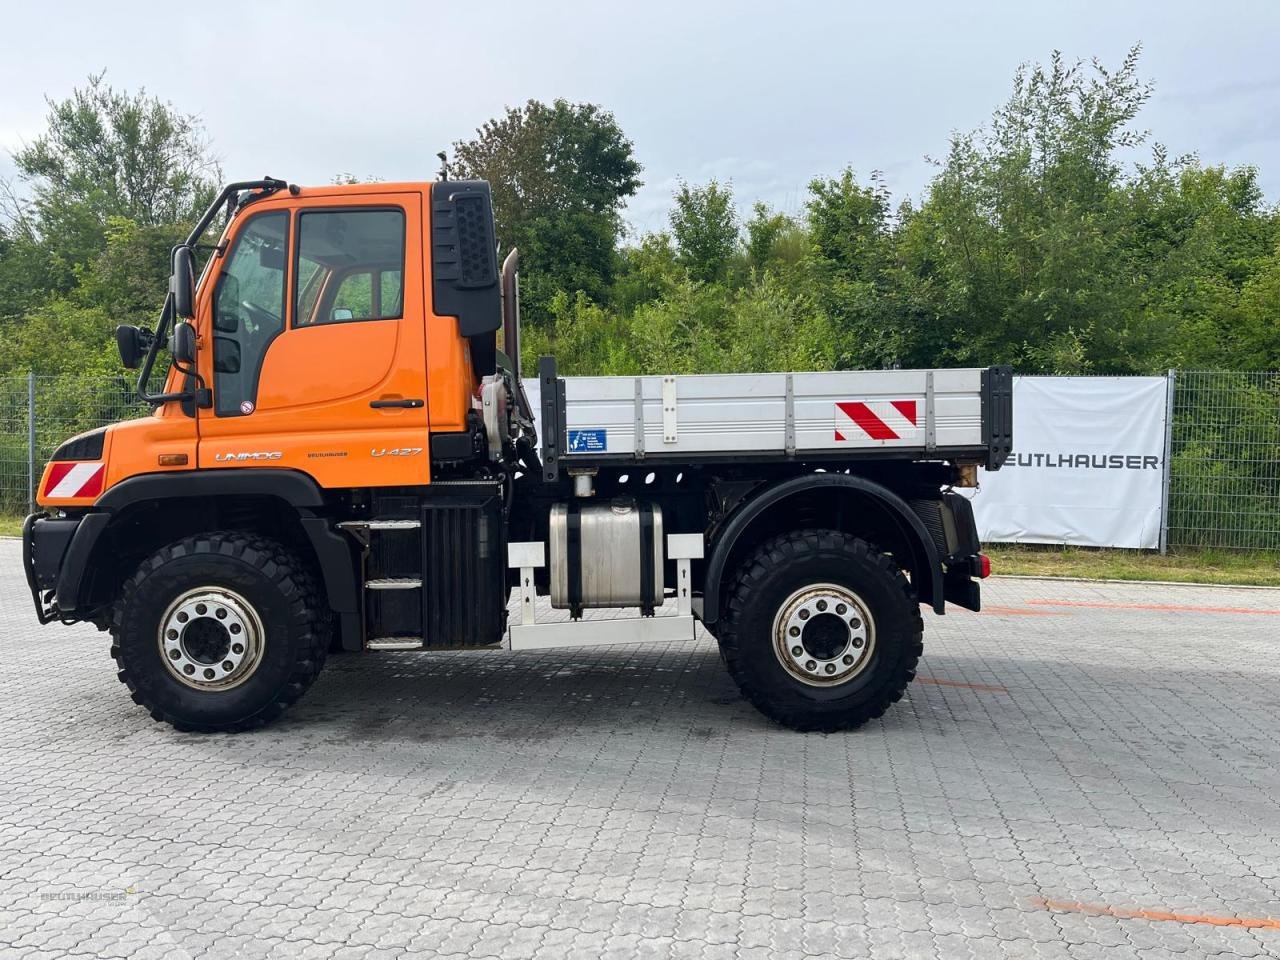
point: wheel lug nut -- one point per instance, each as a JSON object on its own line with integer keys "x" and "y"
{"x": 221, "y": 613}
{"x": 797, "y": 651}
{"x": 174, "y": 654}
{"x": 172, "y": 634}
{"x": 857, "y": 643}
{"x": 831, "y": 668}
{"x": 848, "y": 660}
{"x": 811, "y": 665}
{"x": 822, "y": 604}
{"x": 855, "y": 623}
{"x": 235, "y": 628}
{"x": 794, "y": 631}
{"x": 236, "y": 648}
{"x": 841, "y": 609}
{"x": 804, "y": 614}
{"x": 188, "y": 669}
{"x": 182, "y": 617}
{"x": 201, "y": 609}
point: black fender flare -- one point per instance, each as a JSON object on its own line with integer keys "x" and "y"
{"x": 333, "y": 551}
{"x": 926, "y": 561}
{"x": 291, "y": 486}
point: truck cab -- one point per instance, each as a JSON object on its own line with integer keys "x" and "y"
{"x": 344, "y": 456}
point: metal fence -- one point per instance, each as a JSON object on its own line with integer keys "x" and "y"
{"x": 38, "y": 412}
{"x": 1224, "y": 486}
{"x": 1224, "y": 481}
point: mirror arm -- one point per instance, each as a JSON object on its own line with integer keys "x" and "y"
{"x": 159, "y": 340}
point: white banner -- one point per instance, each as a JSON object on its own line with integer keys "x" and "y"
{"x": 1087, "y": 466}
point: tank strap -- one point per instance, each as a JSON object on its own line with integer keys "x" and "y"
{"x": 646, "y": 559}
{"x": 573, "y": 558}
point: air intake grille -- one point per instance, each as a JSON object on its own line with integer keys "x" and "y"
{"x": 475, "y": 243}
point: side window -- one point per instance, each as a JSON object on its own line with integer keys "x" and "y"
{"x": 350, "y": 266}
{"x": 248, "y": 311}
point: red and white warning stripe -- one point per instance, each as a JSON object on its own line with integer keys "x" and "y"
{"x": 875, "y": 419}
{"x": 68, "y": 480}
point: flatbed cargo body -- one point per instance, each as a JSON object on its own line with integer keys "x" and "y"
{"x": 830, "y": 416}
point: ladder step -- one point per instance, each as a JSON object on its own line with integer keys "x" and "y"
{"x": 394, "y": 583}
{"x": 395, "y": 643}
{"x": 380, "y": 524}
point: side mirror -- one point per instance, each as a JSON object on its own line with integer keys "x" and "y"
{"x": 182, "y": 282}
{"x": 226, "y": 355}
{"x": 129, "y": 341}
{"x": 183, "y": 343}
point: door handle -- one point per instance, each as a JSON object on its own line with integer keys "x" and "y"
{"x": 382, "y": 404}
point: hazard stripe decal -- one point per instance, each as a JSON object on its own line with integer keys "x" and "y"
{"x": 68, "y": 480}
{"x": 876, "y": 419}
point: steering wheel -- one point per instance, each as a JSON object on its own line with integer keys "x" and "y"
{"x": 258, "y": 317}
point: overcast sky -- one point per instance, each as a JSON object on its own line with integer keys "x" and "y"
{"x": 767, "y": 95}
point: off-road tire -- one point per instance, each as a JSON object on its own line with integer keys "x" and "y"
{"x": 281, "y": 589}
{"x": 761, "y": 587}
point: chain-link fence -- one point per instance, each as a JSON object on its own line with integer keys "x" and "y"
{"x": 1224, "y": 487}
{"x": 38, "y": 413}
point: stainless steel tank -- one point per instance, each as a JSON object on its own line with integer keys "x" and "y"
{"x": 606, "y": 554}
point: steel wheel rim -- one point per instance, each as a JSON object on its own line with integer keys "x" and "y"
{"x": 211, "y": 638}
{"x": 811, "y": 647}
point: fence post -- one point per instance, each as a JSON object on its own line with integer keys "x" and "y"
{"x": 1170, "y": 383}
{"x": 31, "y": 441}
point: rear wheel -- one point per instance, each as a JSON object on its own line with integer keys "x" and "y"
{"x": 821, "y": 631}
{"x": 219, "y": 632}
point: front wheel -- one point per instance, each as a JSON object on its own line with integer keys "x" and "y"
{"x": 821, "y": 631}
{"x": 219, "y": 632}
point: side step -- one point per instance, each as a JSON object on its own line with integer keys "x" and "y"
{"x": 395, "y": 643}
{"x": 394, "y": 583}
{"x": 380, "y": 525}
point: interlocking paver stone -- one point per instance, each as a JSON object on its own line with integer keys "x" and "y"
{"x": 1068, "y": 768}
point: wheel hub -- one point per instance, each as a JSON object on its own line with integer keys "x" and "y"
{"x": 211, "y": 638}
{"x": 824, "y": 635}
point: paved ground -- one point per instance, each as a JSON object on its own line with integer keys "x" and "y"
{"x": 1085, "y": 771}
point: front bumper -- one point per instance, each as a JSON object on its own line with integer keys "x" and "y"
{"x": 45, "y": 541}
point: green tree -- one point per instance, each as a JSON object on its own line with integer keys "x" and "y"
{"x": 649, "y": 270}
{"x": 560, "y": 174}
{"x": 1022, "y": 236}
{"x": 773, "y": 239}
{"x": 704, "y": 225}
{"x": 109, "y": 154}
{"x": 851, "y": 245}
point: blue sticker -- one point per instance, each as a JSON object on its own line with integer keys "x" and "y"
{"x": 587, "y": 441}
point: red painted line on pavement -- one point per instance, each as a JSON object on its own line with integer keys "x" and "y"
{"x": 1186, "y": 608}
{"x": 960, "y": 683}
{"x": 1020, "y": 612}
{"x": 1099, "y": 910}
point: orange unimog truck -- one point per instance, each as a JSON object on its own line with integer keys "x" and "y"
{"x": 345, "y": 457}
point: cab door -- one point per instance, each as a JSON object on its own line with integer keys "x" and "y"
{"x": 316, "y": 354}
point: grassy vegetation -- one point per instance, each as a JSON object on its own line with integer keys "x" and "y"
{"x": 1192, "y": 566}
{"x": 10, "y": 526}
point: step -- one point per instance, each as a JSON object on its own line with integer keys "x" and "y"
{"x": 394, "y": 583}
{"x": 395, "y": 643}
{"x": 380, "y": 524}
